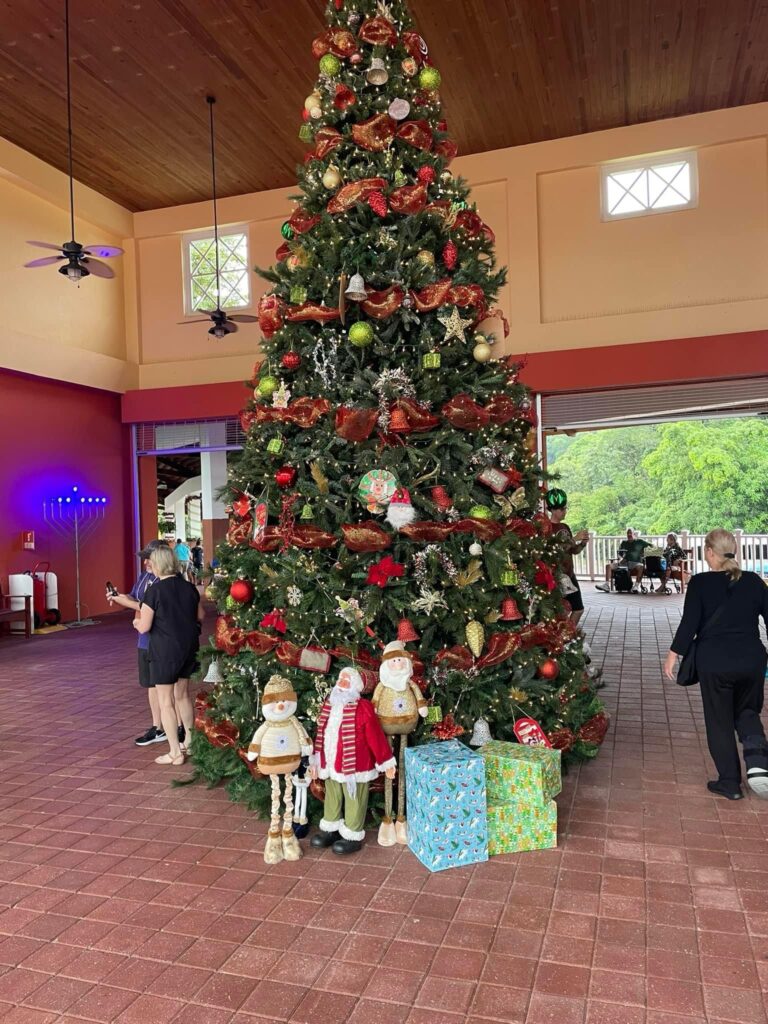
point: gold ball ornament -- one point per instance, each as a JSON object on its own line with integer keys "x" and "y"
{"x": 266, "y": 387}
{"x": 429, "y": 78}
{"x": 475, "y": 637}
{"x": 425, "y": 258}
{"x": 482, "y": 351}
{"x": 360, "y": 334}
{"x": 313, "y": 104}
{"x": 332, "y": 178}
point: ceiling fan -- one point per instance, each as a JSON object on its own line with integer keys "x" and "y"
{"x": 78, "y": 260}
{"x": 223, "y": 323}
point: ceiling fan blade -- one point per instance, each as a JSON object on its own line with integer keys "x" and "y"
{"x": 244, "y": 318}
{"x": 105, "y": 252}
{"x": 97, "y": 268}
{"x": 182, "y": 322}
{"x": 45, "y": 245}
{"x": 45, "y": 261}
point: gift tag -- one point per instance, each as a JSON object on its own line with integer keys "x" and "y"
{"x": 530, "y": 733}
{"x": 314, "y": 659}
{"x": 495, "y": 478}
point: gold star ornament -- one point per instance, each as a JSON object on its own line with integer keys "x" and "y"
{"x": 454, "y": 326}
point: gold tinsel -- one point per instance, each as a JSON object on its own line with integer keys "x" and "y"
{"x": 518, "y": 695}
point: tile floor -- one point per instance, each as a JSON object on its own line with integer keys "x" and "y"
{"x": 125, "y": 899}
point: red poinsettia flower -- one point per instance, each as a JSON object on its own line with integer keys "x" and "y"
{"x": 544, "y": 576}
{"x": 381, "y": 573}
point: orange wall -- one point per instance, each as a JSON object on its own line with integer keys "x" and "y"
{"x": 575, "y": 281}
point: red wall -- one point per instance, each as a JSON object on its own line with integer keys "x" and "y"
{"x": 53, "y": 436}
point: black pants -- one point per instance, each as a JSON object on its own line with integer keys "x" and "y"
{"x": 733, "y": 700}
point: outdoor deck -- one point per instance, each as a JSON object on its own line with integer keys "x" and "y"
{"x": 123, "y": 899}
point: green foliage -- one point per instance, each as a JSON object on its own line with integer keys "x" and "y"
{"x": 329, "y": 467}
{"x": 694, "y": 475}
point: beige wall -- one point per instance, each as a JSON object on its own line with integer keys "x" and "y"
{"x": 574, "y": 280}
{"x": 51, "y": 327}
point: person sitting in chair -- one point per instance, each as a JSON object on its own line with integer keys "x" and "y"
{"x": 630, "y": 557}
{"x": 675, "y": 556}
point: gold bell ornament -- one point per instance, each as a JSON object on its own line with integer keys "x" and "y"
{"x": 481, "y": 734}
{"x": 475, "y": 637}
{"x": 482, "y": 352}
{"x": 356, "y": 289}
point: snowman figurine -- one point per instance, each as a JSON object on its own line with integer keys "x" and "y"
{"x": 398, "y": 702}
{"x": 278, "y": 746}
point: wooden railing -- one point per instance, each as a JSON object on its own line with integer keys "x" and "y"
{"x": 751, "y": 550}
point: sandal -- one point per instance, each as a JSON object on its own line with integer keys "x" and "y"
{"x": 167, "y": 759}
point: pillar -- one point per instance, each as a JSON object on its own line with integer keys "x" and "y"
{"x": 213, "y": 472}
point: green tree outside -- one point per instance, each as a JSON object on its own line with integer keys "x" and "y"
{"x": 694, "y": 475}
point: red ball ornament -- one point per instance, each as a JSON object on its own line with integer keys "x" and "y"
{"x": 338, "y": 4}
{"x": 305, "y": 114}
{"x": 549, "y": 669}
{"x": 450, "y": 254}
{"x": 241, "y": 591}
{"x": 285, "y": 476}
{"x": 378, "y": 203}
{"x": 426, "y": 174}
{"x": 291, "y": 361}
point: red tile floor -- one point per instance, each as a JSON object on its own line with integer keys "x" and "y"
{"x": 124, "y": 899}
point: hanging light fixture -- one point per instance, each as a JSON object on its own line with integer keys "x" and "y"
{"x": 78, "y": 259}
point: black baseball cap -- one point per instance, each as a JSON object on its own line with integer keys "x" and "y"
{"x": 153, "y": 545}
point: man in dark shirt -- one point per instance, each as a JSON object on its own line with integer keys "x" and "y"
{"x": 631, "y": 554}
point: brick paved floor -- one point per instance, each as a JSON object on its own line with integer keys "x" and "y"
{"x": 124, "y": 899}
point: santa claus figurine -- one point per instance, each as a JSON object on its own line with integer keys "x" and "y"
{"x": 350, "y": 751}
{"x": 398, "y": 702}
{"x": 277, "y": 747}
{"x": 400, "y": 511}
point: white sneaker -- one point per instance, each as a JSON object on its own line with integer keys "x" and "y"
{"x": 604, "y": 587}
{"x": 757, "y": 780}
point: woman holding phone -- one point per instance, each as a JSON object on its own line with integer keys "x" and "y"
{"x": 171, "y": 614}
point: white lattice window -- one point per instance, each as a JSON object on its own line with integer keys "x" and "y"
{"x": 632, "y": 189}
{"x": 200, "y": 291}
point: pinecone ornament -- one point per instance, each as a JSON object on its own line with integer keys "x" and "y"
{"x": 475, "y": 637}
{"x": 378, "y": 203}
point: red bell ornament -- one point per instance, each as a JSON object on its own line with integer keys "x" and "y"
{"x": 398, "y": 422}
{"x": 241, "y": 591}
{"x": 509, "y": 610}
{"x": 406, "y": 631}
{"x": 285, "y": 476}
{"x": 291, "y": 361}
{"x": 549, "y": 669}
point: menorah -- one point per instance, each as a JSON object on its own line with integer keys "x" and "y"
{"x": 75, "y": 517}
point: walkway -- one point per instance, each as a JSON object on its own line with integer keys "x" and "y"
{"x": 124, "y": 899}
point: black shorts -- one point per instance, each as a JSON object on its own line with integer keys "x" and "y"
{"x": 144, "y": 679}
{"x": 575, "y": 600}
{"x": 166, "y": 673}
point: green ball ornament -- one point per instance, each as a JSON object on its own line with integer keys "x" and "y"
{"x": 480, "y": 512}
{"x": 330, "y": 65}
{"x": 360, "y": 334}
{"x": 230, "y": 603}
{"x": 267, "y": 386}
{"x": 430, "y": 79}
{"x": 286, "y": 231}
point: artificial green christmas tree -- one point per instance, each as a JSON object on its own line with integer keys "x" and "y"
{"x": 388, "y": 487}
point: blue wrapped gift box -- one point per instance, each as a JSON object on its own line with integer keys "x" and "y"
{"x": 447, "y": 816}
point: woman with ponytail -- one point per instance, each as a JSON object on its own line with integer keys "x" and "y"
{"x": 722, "y": 611}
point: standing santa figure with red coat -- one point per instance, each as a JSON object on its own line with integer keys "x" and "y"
{"x": 350, "y": 751}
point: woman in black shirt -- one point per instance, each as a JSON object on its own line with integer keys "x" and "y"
{"x": 730, "y": 663}
{"x": 171, "y": 613}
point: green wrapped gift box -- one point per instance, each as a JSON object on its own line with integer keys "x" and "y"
{"x": 518, "y": 826}
{"x": 515, "y": 772}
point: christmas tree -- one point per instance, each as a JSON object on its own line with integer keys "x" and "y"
{"x": 389, "y": 487}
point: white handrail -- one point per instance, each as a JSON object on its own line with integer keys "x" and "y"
{"x": 752, "y": 551}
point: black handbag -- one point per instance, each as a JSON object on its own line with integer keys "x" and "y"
{"x": 686, "y": 672}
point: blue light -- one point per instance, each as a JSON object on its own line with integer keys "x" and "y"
{"x": 90, "y": 500}
{"x": 59, "y": 500}
{"x": 68, "y": 500}
{"x": 82, "y": 500}
{"x": 74, "y": 488}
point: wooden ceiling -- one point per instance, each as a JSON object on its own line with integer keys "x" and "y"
{"x": 514, "y": 72}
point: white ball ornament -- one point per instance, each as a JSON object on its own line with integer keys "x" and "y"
{"x": 482, "y": 352}
{"x": 475, "y": 549}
